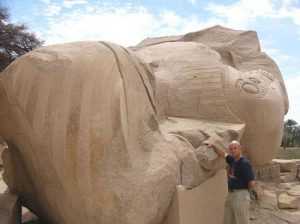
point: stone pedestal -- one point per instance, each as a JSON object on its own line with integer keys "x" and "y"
{"x": 201, "y": 205}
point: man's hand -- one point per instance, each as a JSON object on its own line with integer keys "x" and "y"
{"x": 255, "y": 191}
{"x": 219, "y": 152}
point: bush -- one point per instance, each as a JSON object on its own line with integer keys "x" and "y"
{"x": 288, "y": 153}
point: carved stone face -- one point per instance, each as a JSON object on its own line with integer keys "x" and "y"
{"x": 193, "y": 82}
{"x": 255, "y": 82}
{"x": 257, "y": 99}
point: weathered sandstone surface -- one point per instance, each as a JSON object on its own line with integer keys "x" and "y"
{"x": 221, "y": 75}
{"x": 98, "y": 133}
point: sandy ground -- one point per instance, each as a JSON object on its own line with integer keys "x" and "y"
{"x": 259, "y": 215}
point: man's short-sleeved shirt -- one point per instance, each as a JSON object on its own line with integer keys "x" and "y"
{"x": 240, "y": 173}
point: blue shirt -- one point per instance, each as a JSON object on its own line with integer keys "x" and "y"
{"x": 240, "y": 173}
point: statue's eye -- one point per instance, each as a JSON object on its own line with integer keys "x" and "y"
{"x": 254, "y": 80}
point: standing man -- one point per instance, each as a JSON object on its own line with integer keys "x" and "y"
{"x": 240, "y": 181}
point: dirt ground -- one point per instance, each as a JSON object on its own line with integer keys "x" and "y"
{"x": 262, "y": 213}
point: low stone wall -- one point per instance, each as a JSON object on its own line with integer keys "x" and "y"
{"x": 280, "y": 171}
{"x": 269, "y": 173}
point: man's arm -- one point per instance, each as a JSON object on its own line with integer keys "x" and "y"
{"x": 255, "y": 191}
{"x": 219, "y": 152}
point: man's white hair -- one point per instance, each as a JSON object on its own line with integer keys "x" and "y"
{"x": 235, "y": 142}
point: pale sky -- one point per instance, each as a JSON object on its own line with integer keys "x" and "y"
{"x": 277, "y": 23}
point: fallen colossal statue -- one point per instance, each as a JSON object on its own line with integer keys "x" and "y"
{"x": 99, "y": 133}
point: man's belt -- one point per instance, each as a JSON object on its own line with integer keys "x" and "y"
{"x": 234, "y": 190}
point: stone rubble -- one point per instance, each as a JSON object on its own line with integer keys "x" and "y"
{"x": 280, "y": 200}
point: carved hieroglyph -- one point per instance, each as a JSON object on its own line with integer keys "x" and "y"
{"x": 101, "y": 134}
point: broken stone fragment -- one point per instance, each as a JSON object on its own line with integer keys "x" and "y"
{"x": 286, "y": 201}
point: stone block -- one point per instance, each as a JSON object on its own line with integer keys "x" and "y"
{"x": 294, "y": 191}
{"x": 269, "y": 173}
{"x": 286, "y": 201}
{"x": 288, "y": 169}
{"x": 288, "y": 177}
{"x": 297, "y": 161}
{"x": 195, "y": 206}
{"x": 269, "y": 200}
{"x": 286, "y": 165}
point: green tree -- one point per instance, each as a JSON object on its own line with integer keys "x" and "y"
{"x": 15, "y": 40}
{"x": 296, "y": 136}
{"x": 291, "y": 134}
